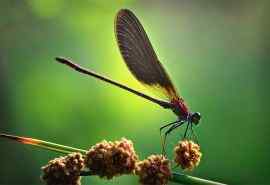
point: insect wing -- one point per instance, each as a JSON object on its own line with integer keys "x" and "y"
{"x": 140, "y": 56}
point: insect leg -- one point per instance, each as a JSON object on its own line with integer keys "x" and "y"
{"x": 161, "y": 128}
{"x": 160, "y": 131}
{"x": 178, "y": 124}
{"x": 194, "y": 134}
{"x": 186, "y": 130}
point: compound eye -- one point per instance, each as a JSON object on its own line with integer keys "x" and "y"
{"x": 196, "y": 117}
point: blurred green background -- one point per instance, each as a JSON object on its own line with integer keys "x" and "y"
{"x": 216, "y": 53}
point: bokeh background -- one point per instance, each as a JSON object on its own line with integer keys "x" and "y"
{"x": 216, "y": 53}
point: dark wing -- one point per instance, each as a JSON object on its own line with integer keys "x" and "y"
{"x": 139, "y": 54}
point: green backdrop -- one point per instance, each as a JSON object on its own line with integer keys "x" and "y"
{"x": 216, "y": 53}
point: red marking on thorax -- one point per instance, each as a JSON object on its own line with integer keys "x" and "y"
{"x": 180, "y": 107}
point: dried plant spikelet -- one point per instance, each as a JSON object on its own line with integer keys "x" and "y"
{"x": 187, "y": 154}
{"x": 155, "y": 170}
{"x": 63, "y": 170}
{"x": 109, "y": 159}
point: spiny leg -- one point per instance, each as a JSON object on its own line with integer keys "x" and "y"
{"x": 178, "y": 124}
{"x": 190, "y": 132}
{"x": 165, "y": 137}
{"x": 194, "y": 134}
{"x": 186, "y": 130}
{"x": 161, "y": 128}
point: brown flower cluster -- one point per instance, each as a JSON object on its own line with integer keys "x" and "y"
{"x": 155, "y": 170}
{"x": 187, "y": 154}
{"x": 109, "y": 159}
{"x": 63, "y": 170}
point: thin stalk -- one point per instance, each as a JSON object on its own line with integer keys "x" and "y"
{"x": 186, "y": 179}
{"x": 43, "y": 144}
{"x": 177, "y": 178}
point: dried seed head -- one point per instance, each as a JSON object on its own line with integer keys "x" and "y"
{"x": 63, "y": 170}
{"x": 155, "y": 170}
{"x": 187, "y": 154}
{"x": 109, "y": 159}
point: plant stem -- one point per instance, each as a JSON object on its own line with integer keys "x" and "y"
{"x": 43, "y": 144}
{"x": 186, "y": 179}
{"x": 177, "y": 178}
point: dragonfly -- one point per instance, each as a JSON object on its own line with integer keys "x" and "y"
{"x": 142, "y": 61}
